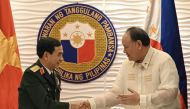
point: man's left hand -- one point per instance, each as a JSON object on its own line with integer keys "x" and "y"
{"x": 129, "y": 99}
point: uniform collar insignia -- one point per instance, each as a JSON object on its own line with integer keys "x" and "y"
{"x": 42, "y": 71}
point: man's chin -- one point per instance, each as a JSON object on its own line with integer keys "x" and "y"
{"x": 130, "y": 59}
{"x": 56, "y": 66}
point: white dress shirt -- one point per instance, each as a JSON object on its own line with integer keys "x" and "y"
{"x": 155, "y": 79}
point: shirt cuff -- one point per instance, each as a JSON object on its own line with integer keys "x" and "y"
{"x": 92, "y": 103}
{"x": 145, "y": 100}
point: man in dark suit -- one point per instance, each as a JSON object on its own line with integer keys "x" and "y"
{"x": 40, "y": 87}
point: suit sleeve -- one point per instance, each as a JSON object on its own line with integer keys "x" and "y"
{"x": 167, "y": 91}
{"x": 109, "y": 99}
{"x": 38, "y": 94}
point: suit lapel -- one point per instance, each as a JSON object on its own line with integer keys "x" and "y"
{"x": 49, "y": 78}
{"x": 46, "y": 74}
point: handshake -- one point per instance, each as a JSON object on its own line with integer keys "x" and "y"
{"x": 80, "y": 105}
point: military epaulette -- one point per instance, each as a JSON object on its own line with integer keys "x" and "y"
{"x": 35, "y": 68}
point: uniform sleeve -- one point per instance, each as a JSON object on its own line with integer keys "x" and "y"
{"x": 168, "y": 89}
{"x": 38, "y": 94}
{"x": 109, "y": 99}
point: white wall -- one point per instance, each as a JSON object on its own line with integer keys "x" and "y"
{"x": 29, "y": 15}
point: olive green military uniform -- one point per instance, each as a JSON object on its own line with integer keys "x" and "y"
{"x": 39, "y": 90}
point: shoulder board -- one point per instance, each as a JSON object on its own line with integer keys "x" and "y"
{"x": 35, "y": 68}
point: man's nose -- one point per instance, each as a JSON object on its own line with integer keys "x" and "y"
{"x": 61, "y": 58}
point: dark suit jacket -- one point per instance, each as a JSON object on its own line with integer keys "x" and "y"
{"x": 38, "y": 90}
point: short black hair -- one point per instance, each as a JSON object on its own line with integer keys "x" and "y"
{"x": 47, "y": 44}
{"x": 137, "y": 33}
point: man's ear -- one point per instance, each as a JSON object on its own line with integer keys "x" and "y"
{"x": 139, "y": 44}
{"x": 45, "y": 55}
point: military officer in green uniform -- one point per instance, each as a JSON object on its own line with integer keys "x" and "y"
{"x": 40, "y": 85}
